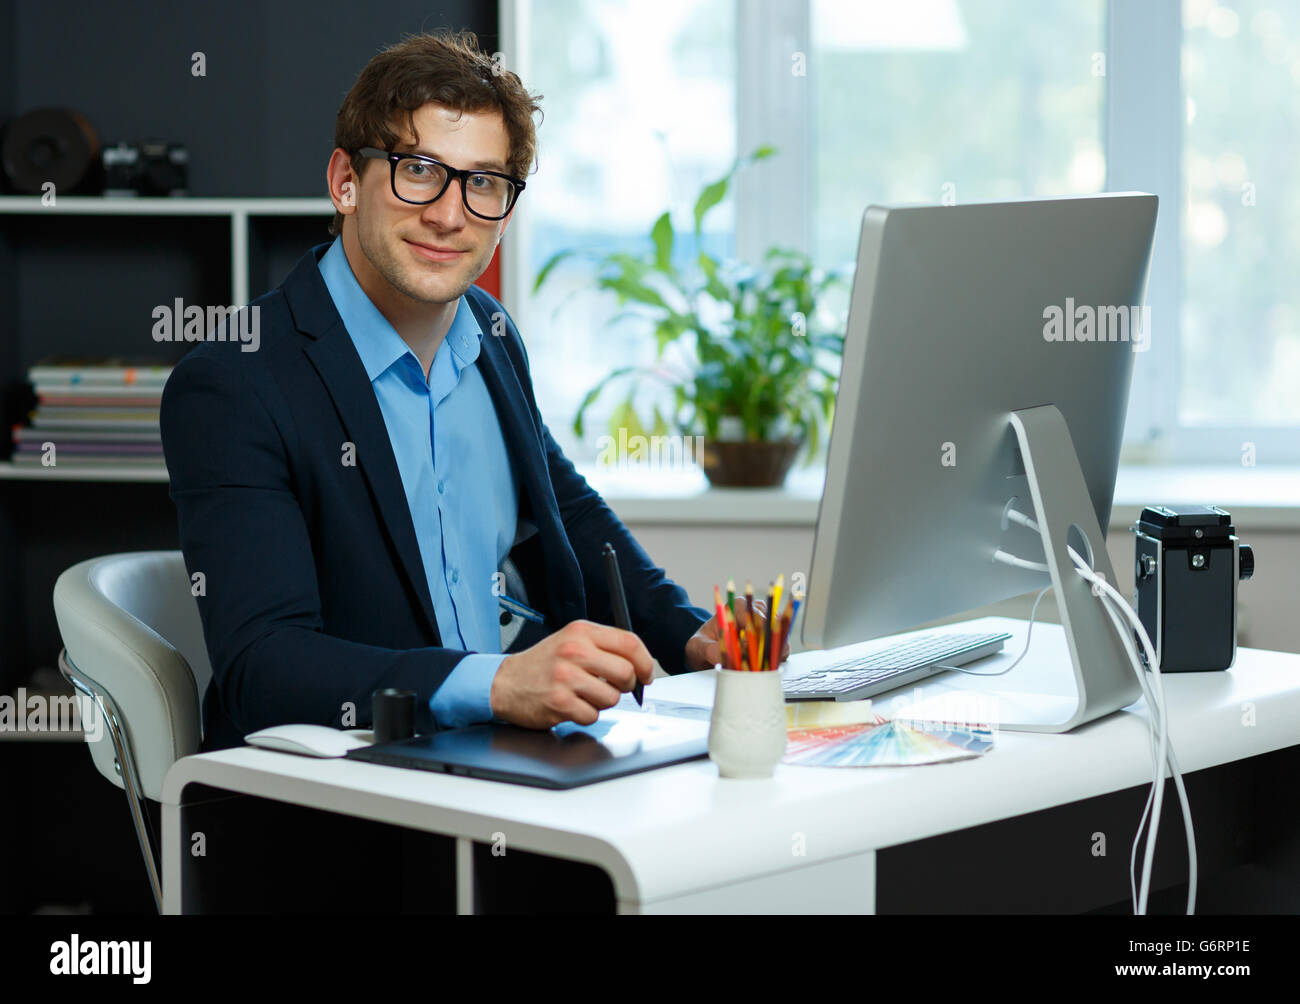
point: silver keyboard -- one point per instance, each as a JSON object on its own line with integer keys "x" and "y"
{"x": 877, "y": 672}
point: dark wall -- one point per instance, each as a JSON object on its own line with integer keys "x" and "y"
{"x": 8, "y": 77}
{"x": 8, "y": 264}
{"x": 261, "y": 122}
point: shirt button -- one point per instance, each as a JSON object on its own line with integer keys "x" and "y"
{"x": 455, "y": 575}
{"x": 442, "y": 487}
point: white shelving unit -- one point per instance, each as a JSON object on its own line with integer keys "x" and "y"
{"x": 240, "y": 213}
{"x": 9, "y": 471}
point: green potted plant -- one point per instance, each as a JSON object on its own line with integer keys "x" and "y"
{"x": 751, "y": 365}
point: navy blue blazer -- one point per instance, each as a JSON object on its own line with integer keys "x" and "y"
{"x": 313, "y": 592}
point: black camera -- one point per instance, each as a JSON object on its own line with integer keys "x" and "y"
{"x": 152, "y": 168}
{"x": 1189, "y": 561}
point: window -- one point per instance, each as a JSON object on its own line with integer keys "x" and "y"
{"x": 639, "y": 113}
{"x": 936, "y": 100}
{"x": 1240, "y": 358}
{"x": 932, "y": 101}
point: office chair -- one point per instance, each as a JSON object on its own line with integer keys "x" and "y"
{"x": 134, "y": 651}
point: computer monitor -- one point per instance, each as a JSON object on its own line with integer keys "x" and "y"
{"x": 986, "y": 365}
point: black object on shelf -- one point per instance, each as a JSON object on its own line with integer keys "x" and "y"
{"x": 151, "y": 168}
{"x": 48, "y": 146}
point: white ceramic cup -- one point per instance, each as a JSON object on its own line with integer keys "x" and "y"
{"x": 747, "y": 729}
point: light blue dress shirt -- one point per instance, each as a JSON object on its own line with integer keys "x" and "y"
{"x": 455, "y": 468}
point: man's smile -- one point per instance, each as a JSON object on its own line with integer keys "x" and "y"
{"x": 435, "y": 252}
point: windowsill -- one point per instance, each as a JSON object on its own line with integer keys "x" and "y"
{"x": 1259, "y": 498}
{"x": 685, "y": 496}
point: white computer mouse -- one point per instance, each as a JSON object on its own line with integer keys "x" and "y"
{"x": 310, "y": 740}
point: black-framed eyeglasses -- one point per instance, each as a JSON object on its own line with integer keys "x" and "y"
{"x": 420, "y": 180}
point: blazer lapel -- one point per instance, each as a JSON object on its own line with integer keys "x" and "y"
{"x": 341, "y": 369}
{"x": 524, "y": 441}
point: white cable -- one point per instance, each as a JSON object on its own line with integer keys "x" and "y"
{"x": 1116, "y": 606}
{"x": 1158, "y": 778}
{"x": 1029, "y": 634}
{"x": 1014, "y": 562}
{"x": 1016, "y": 516}
{"x": 1126, "y": 637}
{"x": 1159, "y": 713}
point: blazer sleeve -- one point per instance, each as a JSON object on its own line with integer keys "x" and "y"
{"x": 661, "y": 612}
{"x": 242, "y": 529}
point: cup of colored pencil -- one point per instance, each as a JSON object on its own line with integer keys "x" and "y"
{"x": 747, "y": 727}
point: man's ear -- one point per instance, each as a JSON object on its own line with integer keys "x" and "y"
{"x": 342, "y": 182}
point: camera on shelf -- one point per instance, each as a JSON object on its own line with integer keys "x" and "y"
{"x": 152, "y": 168}
{"x": 1189, "y": 562}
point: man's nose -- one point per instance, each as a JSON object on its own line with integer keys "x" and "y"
{"x": 448, "y": 212}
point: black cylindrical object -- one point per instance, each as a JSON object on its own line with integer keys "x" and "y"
{"x": 394, "y": 715}
{"x": 49, "y": 145}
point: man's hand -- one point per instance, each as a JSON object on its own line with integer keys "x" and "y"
{"x": 704, "y": 648}
{"x": 569, "y": 675}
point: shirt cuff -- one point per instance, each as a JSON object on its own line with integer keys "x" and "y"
{"x": 463, "y": 699}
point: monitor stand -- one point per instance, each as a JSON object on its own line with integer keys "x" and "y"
{"x": 1103, "y": 675}
{"x": 1104, "y": 680}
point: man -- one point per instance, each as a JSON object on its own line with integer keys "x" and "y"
{"x": 351, "y": 491}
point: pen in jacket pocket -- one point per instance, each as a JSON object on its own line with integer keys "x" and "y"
{"x": 515, "y": 607}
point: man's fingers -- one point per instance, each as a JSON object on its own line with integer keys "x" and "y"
{"x": 625, "y": 644}
{"x": 595, "y": 692}
{"x": 580, "y": 711}
{"x": 620, "y": 673}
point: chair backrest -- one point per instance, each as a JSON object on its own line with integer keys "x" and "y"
{"x": 131, "y": 628}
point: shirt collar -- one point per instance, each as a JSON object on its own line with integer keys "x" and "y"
{"x": 377, "y": 342}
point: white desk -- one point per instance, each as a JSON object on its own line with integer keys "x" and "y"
{"x": 681, "y": 839}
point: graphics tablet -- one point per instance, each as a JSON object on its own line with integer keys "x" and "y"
{"x": 566, "y": 756}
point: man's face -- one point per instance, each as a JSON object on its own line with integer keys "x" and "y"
{"x": 433, "y": 253}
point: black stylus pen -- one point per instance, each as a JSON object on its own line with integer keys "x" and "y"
{"x": 618, "y": 600}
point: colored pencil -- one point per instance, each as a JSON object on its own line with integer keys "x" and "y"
{"x": 729, "y": 639}
{"x": 785, "y": 635}
{"x": 722, "y": 626}
{"x": 778, "y": 639}
{"x": 735, "y": 641}
{"x": 767, "y": 628}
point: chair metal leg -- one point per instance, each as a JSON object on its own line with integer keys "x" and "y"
{"x": 125, "y": 757}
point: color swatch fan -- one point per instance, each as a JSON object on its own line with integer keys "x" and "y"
{"x": 886, "y": 743}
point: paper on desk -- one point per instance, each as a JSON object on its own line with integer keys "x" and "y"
{"x": 884, "y": 742}
{"x": 669, "y": 709}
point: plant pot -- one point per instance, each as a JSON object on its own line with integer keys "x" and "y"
{"x": 748, "y": 464}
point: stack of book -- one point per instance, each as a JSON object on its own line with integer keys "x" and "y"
{"x": 93, "y": 412}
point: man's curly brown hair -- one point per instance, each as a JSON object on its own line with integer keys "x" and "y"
{"x": 447, "y": 68}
